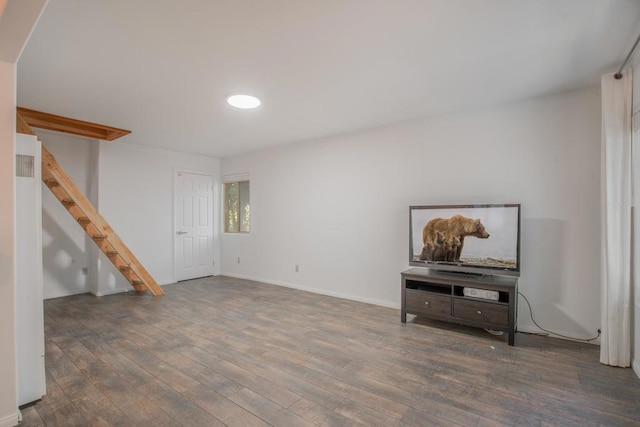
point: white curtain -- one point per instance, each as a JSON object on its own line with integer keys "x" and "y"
{"x": 615, "y": 347}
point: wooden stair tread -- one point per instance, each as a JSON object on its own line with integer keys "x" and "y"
{"x": 68, "y": 202}
{"x": 52, "y": 182}
{"x": 84, "y": 220}
{"x": 98, "y": 237}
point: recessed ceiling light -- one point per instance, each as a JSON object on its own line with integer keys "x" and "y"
{"x": 243, "y": 101}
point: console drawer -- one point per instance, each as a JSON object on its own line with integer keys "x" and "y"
{"x": 482, "y": 312}
{"x": 428, "y": 303}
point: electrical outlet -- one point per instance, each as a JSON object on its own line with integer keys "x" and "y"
{"x": 297, "y": 268}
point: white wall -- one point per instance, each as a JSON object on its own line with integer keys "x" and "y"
{"x": 8, "y": 396}
{"x": 338, "y": 207}
{"x": 29, "y": 289}
{"x": 17, "y": 19}
{"x": 65, "y": 244}
{"x": 136, "y": 198}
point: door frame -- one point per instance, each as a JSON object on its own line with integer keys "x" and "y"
{"x": 216, "y": 211}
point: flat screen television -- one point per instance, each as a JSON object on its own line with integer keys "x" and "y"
{"x": 476, "y": 239}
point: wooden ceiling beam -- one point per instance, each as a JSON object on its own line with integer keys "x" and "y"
{"x": 22, "y": 126}
{"x": 38, "y": 119}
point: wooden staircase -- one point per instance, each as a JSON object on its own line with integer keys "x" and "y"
{"x": 65, "y": 190}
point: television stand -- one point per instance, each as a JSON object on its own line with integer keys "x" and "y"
{"x": 439, "y": 295}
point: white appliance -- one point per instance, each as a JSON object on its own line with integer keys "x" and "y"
{"x": 29, "y": 292}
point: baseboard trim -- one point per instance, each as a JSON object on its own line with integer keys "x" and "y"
{"x": 64, "y": 294}
{"x": 314, "y": 290}
{"x": 126, "y": 289}
{"x": 636, "y": 367}
{"x": 10, "y": 420}
{"x": 112, "y": 291}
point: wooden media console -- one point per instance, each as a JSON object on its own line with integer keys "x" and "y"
{"x": 440, "y": 295}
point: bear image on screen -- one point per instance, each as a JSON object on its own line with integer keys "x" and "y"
{"x": 473, "y": 236}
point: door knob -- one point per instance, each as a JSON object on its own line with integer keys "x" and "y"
{"x": 181, "y": 232}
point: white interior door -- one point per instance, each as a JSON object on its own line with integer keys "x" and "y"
{"x": 193, "y": 225}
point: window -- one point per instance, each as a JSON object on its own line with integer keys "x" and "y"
{"x": 237, "y": 209}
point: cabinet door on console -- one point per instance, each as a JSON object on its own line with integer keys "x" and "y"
{"x": 483, "y": 312}
{"x": 428, "y": 303}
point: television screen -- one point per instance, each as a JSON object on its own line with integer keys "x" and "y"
{"x": 481, "y": 239}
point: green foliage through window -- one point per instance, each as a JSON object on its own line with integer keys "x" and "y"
{"x": 237, "y": 209}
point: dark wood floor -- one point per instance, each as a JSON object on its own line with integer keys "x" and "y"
{"x": 221, "y": 351}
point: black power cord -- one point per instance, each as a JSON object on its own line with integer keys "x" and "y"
{"x": 549, "y": 332}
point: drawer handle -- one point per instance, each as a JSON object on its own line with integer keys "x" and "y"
{"x": 426, "y": 302}
{"x": 478, "y": 312}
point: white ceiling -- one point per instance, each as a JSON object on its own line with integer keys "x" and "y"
{"x": 163, "y": 68}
